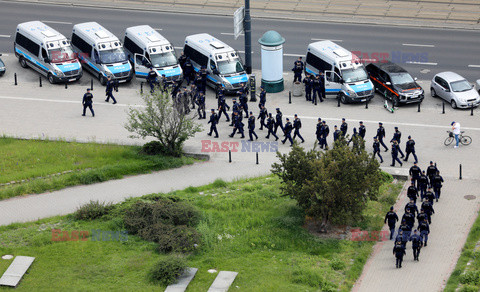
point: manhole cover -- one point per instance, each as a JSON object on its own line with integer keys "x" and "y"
{"x": 470, "y": 197}
{"x": 7, "y": 257}
{"x": 424, "y": 71}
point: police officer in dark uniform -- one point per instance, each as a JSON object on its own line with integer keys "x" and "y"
{"x": 188, "y": 71}
{"x": 324, "y": 134}
{"x": 395, "y": 153}
{"x": 288, "y": 131}
{"x": 270, "y": 125}
{"x": 410, "y": 149}
{"x": 297, "y": 70}
{"x": 344, "y": 127}
{"x": 424, "y": 231}
{"x": 222, "y": 107}
{"x": 431, "y": 171}
{"x": 198, "y": 81}
{"x": 392, "y": 218}
{"x": 243, "y": 98}
{"x": 397, "y": 136}
{"x": 412, "y": 207}
{"x": 235, "y": 109}
{"x": 318, "y": 131}
{"x": 399, "y": 252}
{"x": 201, "y": 106}
{"x": 381, "y": 135}
{"x": 336, "y": 133}
{"x": 422, "y": 184}
{"x": 421, "y": 216}
{"x": 405, "y": 230}
{"x": 251, "y": 127}
{"x": 213, "y": 123}
{"x": 263, "y": 97}
{"x": 362, "y": 130}
{"x": 279, "y": 121}
{"x": 181, "y": 61}
{"x": 308, "y": 86}
{"x": 88, "y": 102}
{"x": 203, "y": 75}
{"x": 417, "y": 243}
{"x": 376, "y": 149}
{"x": 237, "y": 118}
{"x": 412, "y": 192}
{"x": 193, "y": 94}
{"x": 437, "y": 185}
{"x": 354, "y": 138}
{"x": 429, "y": 195}
{"x": 185, "y": 100}
{"x": 409, "y": 220}
{"x": 428, "y": 208}
{"x": 297, "y": 124}
{"x": 317, "y": 89}
{"x": 152, "y": 79}
{"x": 219, "y": 90}
{"x": 415, "y": 172}
{"x": 262, "y": 116}
{"x": 109, "y": 90}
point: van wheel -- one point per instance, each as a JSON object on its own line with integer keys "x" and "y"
{"x": 432, "y": 91}
{"x": 23, "y": 63}
{"x": 453, "y": 104}
{"x": 102, "y": 79}
{"x": 343, "y": 99}
{"x": 50, "y": 78}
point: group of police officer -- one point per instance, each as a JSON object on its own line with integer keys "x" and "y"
{"x": 421, "y": 187}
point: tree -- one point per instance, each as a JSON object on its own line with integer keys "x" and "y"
{"x": 162, "y": 119}
{"x": 332, "y": 186}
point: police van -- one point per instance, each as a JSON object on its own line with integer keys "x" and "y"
{"x": 101, "y": 52}
{"x": 222, "y": 62}
{"x": 46, "y": 51}
{"x": 345, "y": 76}
{"x": 147, "y": 48}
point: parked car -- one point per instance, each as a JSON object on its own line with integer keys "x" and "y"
{"x": 2, "y": 67}
{"x": 478, "y": 86}
{"x": 454, "y": 89}
{"x": 395, "y": 83}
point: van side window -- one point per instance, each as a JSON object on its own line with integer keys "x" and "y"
{"x": 318, "y": 63}
{"x": 195, "y": 56}
{"x": 441, "y": 82}
{"x": 96, "y": 56}
{"x": 82, "y": 45}
{"x": 28, "y": 44}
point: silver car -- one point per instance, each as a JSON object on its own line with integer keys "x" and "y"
{"x": 455, "y": 89}
{"x": 478, "y": 86}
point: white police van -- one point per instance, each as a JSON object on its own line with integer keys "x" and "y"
{"x": 47, "y": 51}
{"x": 345, "y": 76}
{"x": 147, "y": 48}
{"x": 101, "y": 52}
{"x": 221, "y": 61}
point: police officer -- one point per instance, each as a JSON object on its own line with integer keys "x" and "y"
{"x": 399, "y": 236}
{"x": 308, "y": 86}
{"x": 263, "y": 97}
{"x": 422, "y": 184}
{"x": 405, "y": 230}
{"x": 395, "y": 153}
{"x": 251, "y": 127}
{"x": 431, "y": 171}
{"x": 421, "y": 216}
{"x": 424, "y": 228}
{"x": 392, "y": 218}
{"x": 415, "y": 172}
{"x": 243, "y": 100}
{"x": 344, "y": 127}
{"x": 317, "y": 89}
{"x": 193, "y": 94}
{"x": 87, "y": 102}
{"x": 409, "y": 219}
{"x": 288, "y": 131}
{"x": 219, "y": 90}
{"x": 412, "y": 192}
{"x": 324, "y": 134}
{"x": 279, "y": 121}
{"x": 429, "y": 195}
{"x": 297, "y": 70}
{"x": 165, "y": 84}
{"x": 109, "y": 90}
{"x": 437, "y": 185}
{"x": 235, "y": 109}
{"x": 152, "y": 79}
{"x": 397, "y": 136}
{"x": 203, "y": 75}
{"x": 318, "y": 131}
{"x": 237, "y": 118}
{"x": 181, "y": 61}
{"x": 198, "y": 81}
{"x": 354, "y": 138}
{"x": 376, "y": 149}
{"x": 270, "y": 125}
{"x": 417, "y": 243}
{"x": 362, "y": 130}
{"x": 213, "y": 123}
{"x": 336, "y": 133}
{"x": 201, "y": 106}
{"x": 297, "y": 124}
{"x": 399, "y": 252}
{"x": 188, "y": 71}
{"x": 428, "y": 208}
{"x": 222, "y": 107}
{"x": 410, "y": 149}
{"x": 185, "y": 100}
{"x": 412, "y": 207}
{"x": 381, "y": 135}
{"x": 262, "y": 116}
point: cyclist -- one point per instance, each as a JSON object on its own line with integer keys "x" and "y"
{"x": 456, "y": 132}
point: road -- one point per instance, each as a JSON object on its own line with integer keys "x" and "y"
{"x": 436, "y": 49}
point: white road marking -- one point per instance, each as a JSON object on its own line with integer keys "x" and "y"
{"x": 4, "y": 36}
{"x": 65, "y": 101}
{"x": 229, "y": 33}
{"x": 294, "y": 55}
{"x": 474, "y": 66}
{"x": 422, "y": 63}
{"x": 418, "y": 45}
{"x": 339, "y": 41}
{"x": 158, "y": 28}
{"x": 58, "y": 22}
{"x": 179, "y": 48}
{"x": 243, "y": 52}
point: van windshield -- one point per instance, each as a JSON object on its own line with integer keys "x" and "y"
{"x": 460, "y": 86}
{"x": 163, "y": 59}
{"x": 403, "y": 78}
{"x": 354, "y": 75}
{"x": 60, "y": 55}
{"x": 233, "y": 67}
{"x": 112, "y": 56}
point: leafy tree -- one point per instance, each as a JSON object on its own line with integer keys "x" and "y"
{"x": 163, "y": 119}
{"x": 333, "y": 186}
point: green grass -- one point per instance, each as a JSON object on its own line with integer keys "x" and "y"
{"x": 467, "y": 278}
{"x": 38, "y": 161}
{"x": 247, "y": 227}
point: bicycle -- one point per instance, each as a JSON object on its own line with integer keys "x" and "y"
{"x": 463, "y": 139}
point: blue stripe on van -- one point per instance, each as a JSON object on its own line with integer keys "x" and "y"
{"x": 36, "y": 63}
{"x": 170, "y": 72}
{"x": 69, "y": 67}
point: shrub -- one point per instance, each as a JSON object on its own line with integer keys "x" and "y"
{"x": 337, "y": 264}
{"x": 386, "y": 177}
{"x": 153, "y": 148}
{"x": 92, "y": 210}
{"x": 470, "y": 277}
{"x": 179, "y": 239}
{"x": 219, "y": 183}
{"x": 167, "y": 270}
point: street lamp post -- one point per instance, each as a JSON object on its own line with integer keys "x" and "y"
{"x": 248, "y": 38}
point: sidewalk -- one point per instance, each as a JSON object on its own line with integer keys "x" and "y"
{"x": 422, "y": 13}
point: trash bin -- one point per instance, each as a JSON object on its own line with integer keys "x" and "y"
{"x": 297, "y": 89}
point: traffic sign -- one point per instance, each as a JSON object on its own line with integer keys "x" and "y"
{"x": 238, "y": 18}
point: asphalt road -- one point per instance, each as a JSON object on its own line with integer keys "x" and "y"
{"x": 436, "y": 49}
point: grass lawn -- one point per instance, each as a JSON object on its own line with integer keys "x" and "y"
{"x": 247, "y": 227}
{"x": 467, "y": 277}
{"x": 38, "y": 165}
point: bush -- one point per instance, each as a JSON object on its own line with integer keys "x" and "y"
{"x": 167, "y": 270}
{"x": 180, "y": 239}
{"x": 92, "y": 210}
{"x": 337, "y": 264}
{"x": 470, "y": 277}
{"x": 153, "y": 148}
{"x": 386, "y": 177}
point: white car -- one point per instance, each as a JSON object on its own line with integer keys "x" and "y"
{"x": 454, "y": 89}
{"x": 478, "y": 86}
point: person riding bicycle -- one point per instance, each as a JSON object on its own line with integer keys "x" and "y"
{"x": 456, "y": 132}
